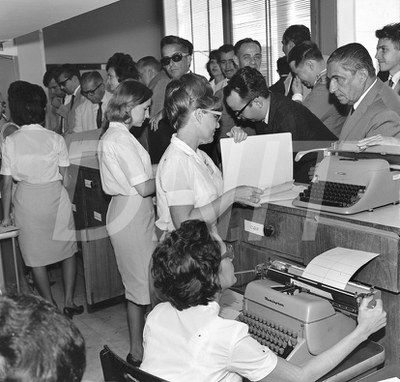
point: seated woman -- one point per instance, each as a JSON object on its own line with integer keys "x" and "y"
{"x": 188, "y": 183}
{"x": 186, "y": 340}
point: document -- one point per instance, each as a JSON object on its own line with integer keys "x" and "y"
{"x": 263, "y": 161}
{"x": 336, "y": 266}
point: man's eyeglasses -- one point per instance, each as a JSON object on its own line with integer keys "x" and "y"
{"x": 217, "y": 114}
{"x": 238, "y": 113}
{"x": 91, "y": 92}
{"x": 62, "y": 83}
{"x": 176, "y": 57}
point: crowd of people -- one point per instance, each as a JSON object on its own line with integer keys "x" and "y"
{"x": 172, "y": 259}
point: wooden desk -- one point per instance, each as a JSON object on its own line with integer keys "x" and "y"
{"x": 299, "y": 235}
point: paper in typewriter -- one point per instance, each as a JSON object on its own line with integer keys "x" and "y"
{"x": 263, "y": 161}
{"x": 336, "y": 266}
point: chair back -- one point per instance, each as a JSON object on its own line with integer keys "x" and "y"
{"x": 115, "y": 369}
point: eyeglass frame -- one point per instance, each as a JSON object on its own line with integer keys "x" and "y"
{"x": 169, "y": 58}
{"x": 91, "y": 92}
{"x": 238, "y": 113}
{"x": 62, "y": 83}
{"x": 214, "y": 112}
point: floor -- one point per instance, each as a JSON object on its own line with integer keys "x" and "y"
{"x": 105, "y": 326}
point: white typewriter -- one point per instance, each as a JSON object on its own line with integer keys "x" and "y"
{"x": 348, "y": 181}
{"x": 299, "y": 318}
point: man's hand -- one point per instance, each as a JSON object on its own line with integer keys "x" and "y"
{"x": 377, "y": 140}
{"x": 237, "y": 134}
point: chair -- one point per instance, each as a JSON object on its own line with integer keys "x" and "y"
{"x": 115, "y": 369}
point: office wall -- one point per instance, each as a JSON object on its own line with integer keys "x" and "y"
{"x": 129, "y": 26}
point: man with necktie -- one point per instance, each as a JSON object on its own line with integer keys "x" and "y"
{"x": 90, "y": 114}
{"x": 388, "y": 53}
{"x": 353, "y": 81}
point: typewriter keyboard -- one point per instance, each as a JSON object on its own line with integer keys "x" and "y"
{"x": 279, "y": 339}
{"x": 332, "y": 194}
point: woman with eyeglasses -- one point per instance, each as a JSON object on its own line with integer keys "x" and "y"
{"x": 189, "y": 185}
{"x": 126, "y": 174}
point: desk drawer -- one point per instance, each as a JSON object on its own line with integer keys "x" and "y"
{"x": 283, "y": 232}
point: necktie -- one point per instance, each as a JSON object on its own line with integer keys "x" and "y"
{"x": 351, "y": 110}
{"x": 99, "y": 116}
{"x": 390, "y": 81}
{"x": 72, "y": 102}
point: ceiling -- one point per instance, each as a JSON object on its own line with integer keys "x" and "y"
{"x": 19, "y": 17}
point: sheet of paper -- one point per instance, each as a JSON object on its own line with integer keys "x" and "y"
{"x": 231, "y": 304}
{"x": 261, "y": 161}
{"x": 336, "y": 266}
{"x": 288, "y": 191}
{"x": 393, "y": 379}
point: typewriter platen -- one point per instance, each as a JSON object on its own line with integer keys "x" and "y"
{"x": 298, "y": 318}
{"x": 348, "y": 182}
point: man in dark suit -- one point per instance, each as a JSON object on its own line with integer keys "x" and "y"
{"x": 375, "y": 106}
{"x": 249, "y": 98}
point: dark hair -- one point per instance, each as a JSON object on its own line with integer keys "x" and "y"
{"x": 297, "y": 33}
{"x": 51, "y": 74}
{"x": 248, "y": 83}
{"x": 245, "y": 41}
{"x": 127, "y": 92}
{"x": 123, "y": 65}
{"x": 214, "y": 55}
{"x": 185, "y": 45}
{"x": 353, "y": 57}
{"x": 186, "y": 264}
{"x": 69, "y": 70}
{"x": 27, "y": 103}
{"x": 37, "y": 342}
{"x": 391, "y": 32}
{"x": 283, "y": 65}
{"x": 91, "y": 76}
{"x": 306, "y": 50}
{"x": 226, "y": 48}
{"x": 186, "y": 94}
{"x": 149, "y": 61}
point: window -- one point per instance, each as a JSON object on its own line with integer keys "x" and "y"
{"x": 200, "y": 21}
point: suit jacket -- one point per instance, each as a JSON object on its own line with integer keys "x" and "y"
{"x": 378, "y": 113}
{"x": 307, "y": 131}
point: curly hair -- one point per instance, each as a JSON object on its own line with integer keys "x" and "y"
{"x": 186, "y": 264}
{"x": 37, "y": 342}
{"x": 187, "y": 94}
{"x": 123, "y": 65}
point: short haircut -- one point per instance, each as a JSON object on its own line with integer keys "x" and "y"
{"x": 186, "y": 265}
{"x": 185, "y": 95}
{"x": 37, "y": 342}
{"x": 391, "y": 32}
{"x": 297, "y": 33}
{"x": 69, "y": 70}
{"x": 226, "y": 48}
{"x": 51, "y": 74}
{"x": 353, "y": 57}
{"x": 149, "y": 61}
{"x": 214, "y": 55}
{"x": 245, "y": 41}
{"x": 283, "y": 65}
{"x": 27, "y": 103}
{"x": 94, "y": 76}
{"x": 186, "y": 45}
{"x": 127, "y": 92}
{"x": 306, "y": 50}
{"x": 249, "y": 83}
{"x": 123, "y": 65}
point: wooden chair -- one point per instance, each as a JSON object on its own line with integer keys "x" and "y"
{"x": 115, "y": 369}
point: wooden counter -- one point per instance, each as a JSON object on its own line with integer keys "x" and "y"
{"x": 299, "y": 235}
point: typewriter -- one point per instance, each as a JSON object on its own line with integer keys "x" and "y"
{"x": 348, "y": 181}
{"x": 298, "y": 318}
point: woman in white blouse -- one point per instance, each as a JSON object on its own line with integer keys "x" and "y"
{"x": 37, "y": 159}
{"x": 126, "y": 174}
{"x": 189, "y": 185}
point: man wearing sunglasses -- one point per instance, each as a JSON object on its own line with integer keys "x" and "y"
{"x": 176, "y": 58}
{"x": 251, "y": 102}
{"x": 68, "y": 79}
{"x": 89, "y": 115}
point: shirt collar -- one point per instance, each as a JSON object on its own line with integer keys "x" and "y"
{"x": 78, "y": 89}
{"x": 319, "y": 76}
{"x": 119, "y": 125}
{"x": 355, "y": 106}
{"x": 182, "y": 145}
{"x": 396, "y": 78}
